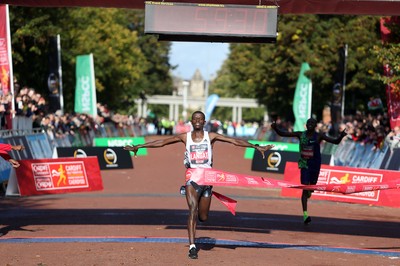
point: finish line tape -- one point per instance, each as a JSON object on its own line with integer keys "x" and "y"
{"x": 214, "y": 177}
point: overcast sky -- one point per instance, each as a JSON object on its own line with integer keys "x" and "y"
{"x": 189, "y": 56}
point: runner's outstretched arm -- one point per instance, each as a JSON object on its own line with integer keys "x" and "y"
{"x": 239, "y": 142}
{"x": 156, "y": 143}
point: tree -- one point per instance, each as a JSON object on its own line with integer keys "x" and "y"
{"x": 388, "y": 54}
{"x": 124, "y": 64}
{"x": 157, "y": 78}
{"x": 269, "y": 72}
{"x": 30, "y": 29}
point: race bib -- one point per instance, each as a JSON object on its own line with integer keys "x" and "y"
{"x": 307, "y": 152}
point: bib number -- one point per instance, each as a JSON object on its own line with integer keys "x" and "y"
{"x": 307, "y": 152}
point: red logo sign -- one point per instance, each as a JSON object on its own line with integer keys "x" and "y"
{"x": 65, "y": 175}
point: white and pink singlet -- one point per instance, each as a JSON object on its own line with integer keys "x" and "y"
{"x": 198, "y": 154}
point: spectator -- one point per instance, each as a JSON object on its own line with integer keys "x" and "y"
{"x": 393, "y": 138}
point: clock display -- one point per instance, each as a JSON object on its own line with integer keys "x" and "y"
{"x": 211, "y": 22}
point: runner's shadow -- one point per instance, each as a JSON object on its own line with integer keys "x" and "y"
{"x": 207, "y": 243}
{"x": 262, "y": 223}
{"x": 6, "y": 229}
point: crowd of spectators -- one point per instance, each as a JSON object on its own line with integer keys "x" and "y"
{"x": 31, "y": 113}
{"x": 5, "y": 107}
{"x": 361, "y": 128}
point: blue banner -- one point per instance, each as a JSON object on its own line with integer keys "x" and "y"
{"x": 210, "y": 105}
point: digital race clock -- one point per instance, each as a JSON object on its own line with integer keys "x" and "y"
{"x": 211, "y": 22}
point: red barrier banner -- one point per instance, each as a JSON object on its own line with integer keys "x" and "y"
{"x": 348, "y": 184}
{"x": 55, "y": 176}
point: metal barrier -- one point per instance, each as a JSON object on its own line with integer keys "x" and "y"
{"x": 355, "y": 154}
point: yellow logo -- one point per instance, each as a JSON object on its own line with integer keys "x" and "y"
{"x": 274, "y": 159}
{"x": 110, "y": 156}
{"x": 345, "y": 179}
{"x": 63, "y": 177}
{"x": 221, "y": 177}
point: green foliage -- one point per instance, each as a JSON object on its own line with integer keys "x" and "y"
{"x": 126, "y": 62}
{"x": 388, "y": 55}
{"x": 30, "y": 29}
{"x": 269, "y": 72}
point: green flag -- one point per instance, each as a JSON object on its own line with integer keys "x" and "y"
{"x": 85, "y": 92}
{"x": 302, "y": 99}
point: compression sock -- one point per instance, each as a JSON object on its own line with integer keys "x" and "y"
{"x": 305, "y": 215}
{"x": 307, "y": 219}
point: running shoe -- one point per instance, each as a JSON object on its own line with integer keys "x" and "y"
{"x": 307, "y": 220}
{"x": 193, "y": 253}
{"x": 182, "y": 190}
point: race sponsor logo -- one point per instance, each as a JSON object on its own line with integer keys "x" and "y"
{"x": 216, "y": 177}
{"x": 251, "y": 180}
{"x": 273, "y": 161}
{"x": 347, "y": 182}
{"x": 79, "y": 153}
{"x": 40, "y": 169}
{"x": 110, "y": 157}
{"x": 220, "y": 177}
{"x": 60, "y": 175}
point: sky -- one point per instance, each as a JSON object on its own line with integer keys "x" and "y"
{"x": 205, "y": 56}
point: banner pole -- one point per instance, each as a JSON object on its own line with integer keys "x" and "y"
{"x": 9, "y": 54}
{"x": 344, "y": 79}
{"x": 60, "y": 73}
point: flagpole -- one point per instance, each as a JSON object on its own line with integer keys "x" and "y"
{"x": 344, "y": 80}
{"x": 60, "y": 73}
{"x": 10, "y": 65}
{"x": 93, "y": 86}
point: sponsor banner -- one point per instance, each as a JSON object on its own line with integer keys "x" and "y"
{"x": 121, "y": 142}
{"x": 210, "y": 105}
{"x": 108, "y": 157}
{"x": 302, "y": 98}
{"x": 275, "y": 161}
{"x": 56, "y": 176}
{"x": 5, "y": 52}
{"x": 376, "y": 185}
{"x": 279, "y": 146}
{"x": 85, "y": 91}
